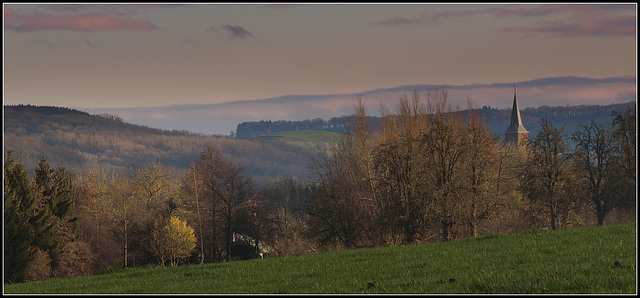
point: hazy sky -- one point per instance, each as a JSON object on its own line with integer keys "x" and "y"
{"x": 119, "y": 56}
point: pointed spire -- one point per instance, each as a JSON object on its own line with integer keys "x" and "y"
{"x": 516, "y": 121}
{"x": 516, "y": 133}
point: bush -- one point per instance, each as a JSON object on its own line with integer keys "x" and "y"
{"x": 76, "y": 260}
{"x": 40, "y": 268}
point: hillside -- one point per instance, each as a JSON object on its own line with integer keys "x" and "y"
{"x": 79, "y": 141}
{"x": 313, "y": 140}
{"x": 589, "y": 260}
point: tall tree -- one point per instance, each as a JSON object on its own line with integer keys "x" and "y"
{"x": 286, "y": 197}
{"x": 357, "y": 153}
{"x": 402, "y": 186}
{"x": 26, "y": 224}
{"x": 257, "y": 223}
{"x": 445, "y": 147}
{"x": 206, "y": 170}
{"x": 547, "y": 171}
{"x": 95, "y": 223}
{"x": 624, "y": 132}
{"x": 55, "y": 189}
{"x": 191, "y": 188}
{"x": 224, "y": 188}
{"x": 154, "y": 181}
{"x": 401, "y": 172}
{"x": 125, "y": 207}
{"x": 335, "y": 214}
{"x": 157, "y": 193}
{"x": 482, "y": 166}
{"x": 595, "y": 157}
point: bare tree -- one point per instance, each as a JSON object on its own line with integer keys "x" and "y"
{"x": 444, "y": 145}
{"x": 624, "y": 132}
{"x": 482, "y": 168}
{"x": 547, "y": 171}
{"x": 125, "y": 206}
{"x": 400, "y": 167}
{"x": 286, "y": 198}
{"x": 224, "y": 187}
{"x": 595, "y": 157}
{"x": 333, "y": 218}
{"x": 153, "y": 180}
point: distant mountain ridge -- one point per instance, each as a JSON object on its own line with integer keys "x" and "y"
{"x": 222, "y": 118}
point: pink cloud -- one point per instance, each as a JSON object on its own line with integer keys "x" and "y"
{"x": 544, "y": 10}
{"x": 395, "y": 21}
{"x": 110, "y": 9}
{"x": 590, "y": 94}
{"x": 583, "y": 25}
{"x": 584, "y": 20}
{"x": 573, "y": 20}
{"x": 533, "y": 11}
{"x": 426, "y": 18}
{"x": 89, "y": 22}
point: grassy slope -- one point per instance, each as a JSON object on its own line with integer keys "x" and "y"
{"x": 571, "y": 261}
{"x": 310, "y": 139}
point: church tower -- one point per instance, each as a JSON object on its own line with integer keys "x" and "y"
{"x": 516, "y": 133}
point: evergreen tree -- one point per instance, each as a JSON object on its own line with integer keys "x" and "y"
{"x": 26, "y": 224}
{"x": 54, "y": 190}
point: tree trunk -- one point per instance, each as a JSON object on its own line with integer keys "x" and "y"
{"x": 195, "y": 186}
{"x": 599, "y": 212}
{"x": 474, "y": 218}
{"x": 125, "y": 245}
{"x": 445, "y": 231}
{"x": 443, "y": 220}
{"x": 554, "y": 218}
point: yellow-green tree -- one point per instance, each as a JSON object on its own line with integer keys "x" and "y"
{"x": 175, "y": 242}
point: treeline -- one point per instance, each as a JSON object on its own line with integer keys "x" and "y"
{"x": 258, "y": 128}
{"x": 58, "y": 224}
{"x": 80, "y": 141}
{"x": 496, "y": 119}
{"x": 429, "y": 174}
{"x": 426, "y": 173}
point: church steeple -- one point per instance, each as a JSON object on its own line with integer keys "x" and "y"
{"x": 516, "y": 133}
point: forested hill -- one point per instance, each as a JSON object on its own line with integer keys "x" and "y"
{"x": 80, "y": 141}
{"x": 497, "y": 119}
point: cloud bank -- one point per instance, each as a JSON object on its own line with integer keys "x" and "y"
{"x": 582, "y": 20}
{"x": 84, "y": 21}
{"x": 224, "y": 118}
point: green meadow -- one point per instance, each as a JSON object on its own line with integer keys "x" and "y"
{"x": 581, "y": 261}
{"x": 310, "y": 139}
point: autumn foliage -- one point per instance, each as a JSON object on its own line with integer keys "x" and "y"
{"x": 427, "y": 171}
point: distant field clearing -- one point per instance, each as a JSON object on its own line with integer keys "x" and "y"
{"x": 311, "y": 139}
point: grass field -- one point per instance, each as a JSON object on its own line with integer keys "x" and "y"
{"x": 570, "y": 261}
{"x": 310, "y": 139}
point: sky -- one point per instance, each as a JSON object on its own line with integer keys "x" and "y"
{"x": 172, "y": 65}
